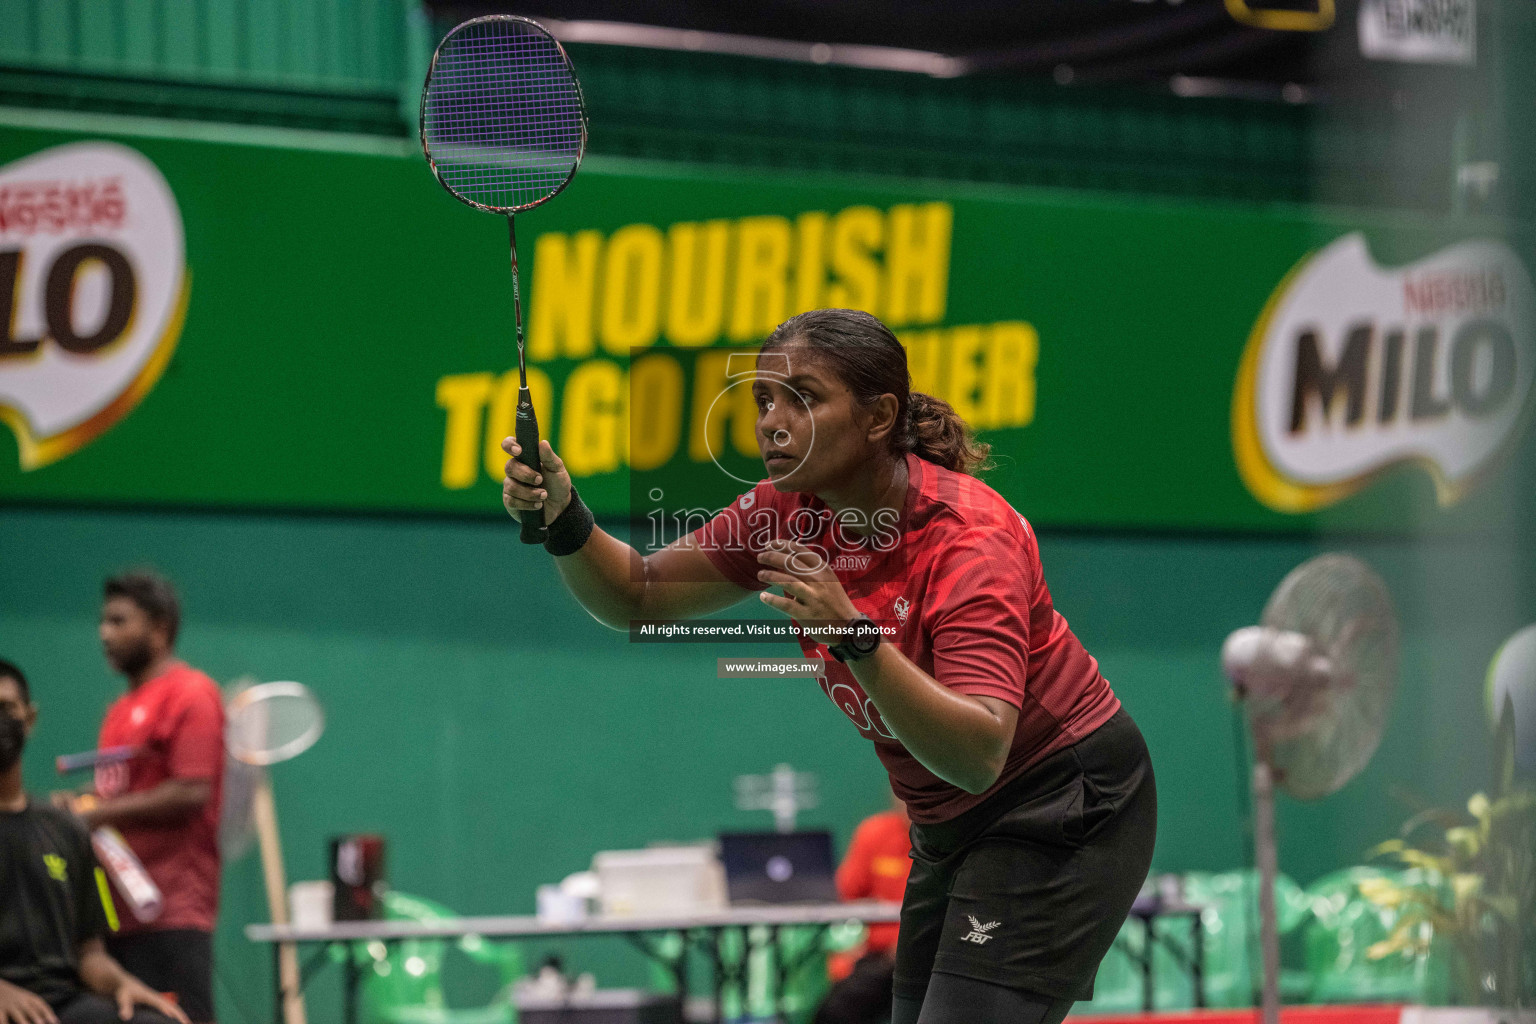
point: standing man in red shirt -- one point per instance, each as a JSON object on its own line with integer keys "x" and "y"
{"x": 165, "y": 800}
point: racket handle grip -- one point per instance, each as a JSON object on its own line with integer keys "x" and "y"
{"x": 534, "y": 530}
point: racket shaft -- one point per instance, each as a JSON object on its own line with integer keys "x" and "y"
{"x": 517, "y": 314}
{"x": 534, "y": 530}
{"x": 66, "y": 763}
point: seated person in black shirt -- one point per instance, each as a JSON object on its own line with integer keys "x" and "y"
{"x": 53, "y": 966}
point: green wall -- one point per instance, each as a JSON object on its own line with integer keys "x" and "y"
{"x": 499, "y": 737}
{"x": 331, "y": 45}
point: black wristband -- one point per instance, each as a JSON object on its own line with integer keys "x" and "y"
{"x": 570, "y": 529}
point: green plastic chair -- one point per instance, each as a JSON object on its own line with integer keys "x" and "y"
{"x": 1117, "y": 988}
{"x": 1231, "y": 925}
{"x": 402, "y": 984}
{"x": 1345, "y": 925}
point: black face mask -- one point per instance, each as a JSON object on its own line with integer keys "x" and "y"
{"x": 13, "y": 737}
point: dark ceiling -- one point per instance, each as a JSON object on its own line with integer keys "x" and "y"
{"x": 1079, "y": 41}
{"x": 1103, "y": 40}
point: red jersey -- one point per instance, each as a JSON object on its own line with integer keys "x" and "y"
{"x": 177, "y": 719}
{"x": 958, "y": 576}
{"x": 875, "y": 868}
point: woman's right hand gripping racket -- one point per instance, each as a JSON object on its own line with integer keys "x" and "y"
{"x": 504, "y": 129}
{"x": 519, "y": 495}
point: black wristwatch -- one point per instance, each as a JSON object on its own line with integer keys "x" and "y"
{"x": 863, "y": 642}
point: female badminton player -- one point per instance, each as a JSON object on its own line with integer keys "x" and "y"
{"x": 1030, "y": 790}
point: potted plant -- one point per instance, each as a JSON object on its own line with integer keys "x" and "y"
{"x": 1475, "y": 892}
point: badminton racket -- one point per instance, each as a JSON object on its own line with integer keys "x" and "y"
{"x": 504, "y": 128}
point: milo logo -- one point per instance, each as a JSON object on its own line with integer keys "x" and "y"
{"x": 1352, "y": 368}
{"x": 93, "y": 289}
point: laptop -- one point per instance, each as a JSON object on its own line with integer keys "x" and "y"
{"x": 778, "y": 867}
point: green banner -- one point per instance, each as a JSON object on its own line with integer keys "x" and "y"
{"x": 209, "y": 323}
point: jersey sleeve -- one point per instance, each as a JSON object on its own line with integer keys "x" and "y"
{"x": 733, "y": 539}
{"x": 196, "y": 747}
{"x": 985, "y": 581}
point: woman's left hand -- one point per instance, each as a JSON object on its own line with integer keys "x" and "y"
{"x": 813, "y": 595}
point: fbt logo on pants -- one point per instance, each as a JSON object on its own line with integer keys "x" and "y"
{"x": 93, "y": 290}
{"x": 1353, "y": 368}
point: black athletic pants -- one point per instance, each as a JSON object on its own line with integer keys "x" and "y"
{"x": 89, "y": 1008}
{"x": 178, "y": 960}
{"x": 953, "y": 999}
{"x": 864, "y": 997}
{"x": 1010, "y": 906}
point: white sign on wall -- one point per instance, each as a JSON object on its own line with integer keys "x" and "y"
{"x": 1419, "y": 31}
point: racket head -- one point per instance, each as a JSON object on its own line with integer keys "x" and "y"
{"x": 503, "y": 121}
{"x": 270, "y": 723}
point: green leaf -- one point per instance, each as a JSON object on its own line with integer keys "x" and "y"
{"x": 1465, "y": 841}
{"x": 1466, "y": 885}
{"x": 1382, "y": 849}
{"x": 1427, "y": 861}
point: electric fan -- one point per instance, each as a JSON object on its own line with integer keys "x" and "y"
{"x": 1315, "y": 681}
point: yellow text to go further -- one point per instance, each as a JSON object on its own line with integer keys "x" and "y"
{"x": 643, "y": 416}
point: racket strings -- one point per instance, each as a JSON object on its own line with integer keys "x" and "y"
{"x": 502, "y": 118}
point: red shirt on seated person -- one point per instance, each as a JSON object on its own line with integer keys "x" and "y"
{"x": 874, "y": 868}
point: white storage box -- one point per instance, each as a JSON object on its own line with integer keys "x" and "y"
{"x": 659, "y": 881}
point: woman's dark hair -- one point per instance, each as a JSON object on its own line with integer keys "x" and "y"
{"x": 151, "y": 592}
{"x": 869, "y": 360}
